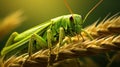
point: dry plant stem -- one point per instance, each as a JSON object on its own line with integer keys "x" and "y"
{"x": 106, "y": 39}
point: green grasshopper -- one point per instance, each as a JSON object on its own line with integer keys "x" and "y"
{"x": 45, "y": 34}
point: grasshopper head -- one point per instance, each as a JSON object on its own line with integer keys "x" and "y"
{"x": 75, "y": 23}
{"x": 71, "y": 23}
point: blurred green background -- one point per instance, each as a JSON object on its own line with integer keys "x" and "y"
{"x": 38, "y": 11}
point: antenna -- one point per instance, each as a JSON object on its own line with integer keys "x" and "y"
{"x": 68, "y": 7}
{"x": 92, "y": 10}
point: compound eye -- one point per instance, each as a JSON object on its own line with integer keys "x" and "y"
{"x": 71, "y": 18}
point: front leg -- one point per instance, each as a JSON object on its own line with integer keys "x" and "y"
{"x": 61, "y": 36}
{"x": 49, "y": 41}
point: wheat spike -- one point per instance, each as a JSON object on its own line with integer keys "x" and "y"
{"x": 106, "y": 27}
